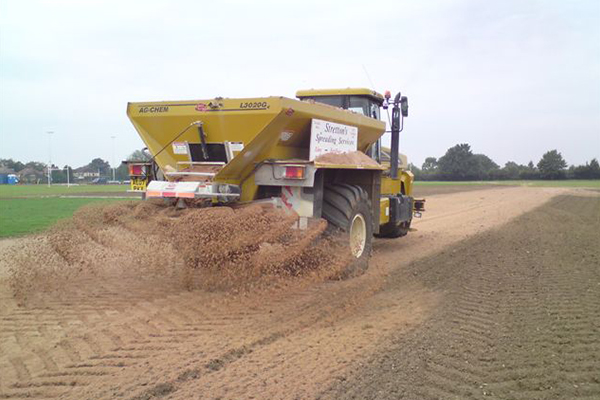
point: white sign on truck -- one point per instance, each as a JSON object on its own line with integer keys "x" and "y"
{"x": 329, "y": 137}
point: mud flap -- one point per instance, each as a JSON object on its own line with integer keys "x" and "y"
{"x": 400, "y": 209}
{"x": 294, "y": 200}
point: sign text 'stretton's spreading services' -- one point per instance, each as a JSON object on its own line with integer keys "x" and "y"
{"x": 329, "y": 137}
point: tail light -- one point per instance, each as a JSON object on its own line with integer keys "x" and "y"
{"x": 294, "y": 172}
{"x": 137, "y": 170}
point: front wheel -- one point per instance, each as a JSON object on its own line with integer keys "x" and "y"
{"x": 347, "y": 209}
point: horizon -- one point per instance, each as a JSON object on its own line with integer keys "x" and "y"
{"x": 85, "y": 164}
{"x": 514, "y": 79}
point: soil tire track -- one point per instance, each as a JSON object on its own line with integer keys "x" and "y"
{"x": 519, "y": 319}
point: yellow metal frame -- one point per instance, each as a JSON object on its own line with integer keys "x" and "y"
{"x": 259, "y": 123}
{"x": 269, "y": 127}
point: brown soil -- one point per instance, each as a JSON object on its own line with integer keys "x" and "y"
{"x": 211, "y": 169}
{"x": 216, "y": 248}
{"x": 426, "y": 191}
{"x": 103, "y": 307}
{"x": 519, "y": 316}
{"x": 353, "y": 158}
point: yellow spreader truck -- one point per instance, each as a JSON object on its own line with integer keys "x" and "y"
{"x": 319, "y": 155}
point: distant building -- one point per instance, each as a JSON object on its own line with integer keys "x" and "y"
{"x": 30, "y": 175}
{"x": 4, "y": 174}
{"x": 85, "y": 173}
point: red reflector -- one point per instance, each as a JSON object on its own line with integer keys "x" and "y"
{"x": 136, "y": 170}
{"x": 294, "y": 172}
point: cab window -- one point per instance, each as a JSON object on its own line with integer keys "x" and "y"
{"x": 375, "y": 111}
{"x": 364, "y": 106}
{"x": 336, "y": 101}
{"x": 358, "y": 104}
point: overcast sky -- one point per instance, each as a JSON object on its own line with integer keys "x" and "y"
{"x": 513, "y": 78}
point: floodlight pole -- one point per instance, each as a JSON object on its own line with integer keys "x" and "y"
{"x": 50, "y": 133}
{"x": 113, "y": 157}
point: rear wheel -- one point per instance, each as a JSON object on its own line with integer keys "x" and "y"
{"x": 347, "y": 209}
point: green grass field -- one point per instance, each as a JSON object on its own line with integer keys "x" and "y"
{"x": 31, "y": 208}
{"x": 23, "y": 216}
{"x": 57, "y": 190}
{"x": 593, "y": 184}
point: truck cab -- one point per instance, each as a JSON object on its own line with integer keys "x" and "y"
{"x": 397, "y": 180}
{"x": 362, "y": 101}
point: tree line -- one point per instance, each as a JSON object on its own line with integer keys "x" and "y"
{"x": 34, "y": 171}
{"x": 458, "y": 164}
{"x": 461, "y": 164}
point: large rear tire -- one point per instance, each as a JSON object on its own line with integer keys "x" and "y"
{"x": 347, "y": 209}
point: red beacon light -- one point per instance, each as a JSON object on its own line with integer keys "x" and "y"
{"x": 136, "y": 170}
{"x": 387, "y": 96}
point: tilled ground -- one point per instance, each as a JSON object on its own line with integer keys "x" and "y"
{"x": 424, "y": 190}
{"x": 125, "y": 335}
{"x": 519, "y": 317}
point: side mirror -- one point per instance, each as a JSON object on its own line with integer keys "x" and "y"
{"x": 404, "y": 106}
